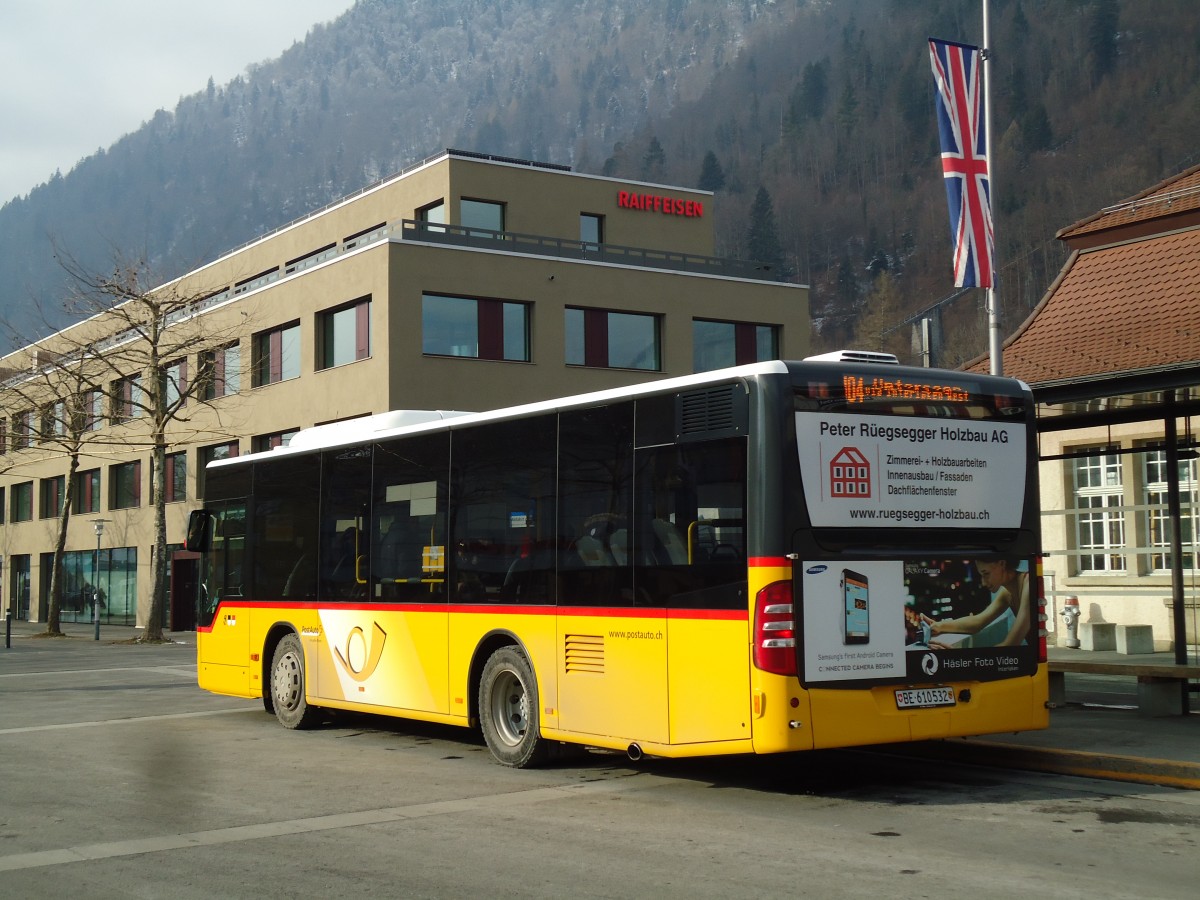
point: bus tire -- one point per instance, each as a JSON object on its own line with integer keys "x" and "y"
{"x": 508, "y": 710}
{"x": 288, "y": 685}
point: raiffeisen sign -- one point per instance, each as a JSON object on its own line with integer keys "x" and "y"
{"x": 667, "y": 206}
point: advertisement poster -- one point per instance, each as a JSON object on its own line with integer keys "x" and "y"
{"x": 907, "y": 472}
{"x": 917, "y": 620}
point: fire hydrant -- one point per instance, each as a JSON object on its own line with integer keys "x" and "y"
{"x": 1070, "y": 614}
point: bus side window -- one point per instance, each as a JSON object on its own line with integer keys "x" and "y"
{"x": 595, "y": 494}
{"x": 503, "y": 527}
{"x": 690, "y": 548}
{"x": 409, "y": 518}
{"x": 343, "y": 562}
{"x": 284, "y": 539}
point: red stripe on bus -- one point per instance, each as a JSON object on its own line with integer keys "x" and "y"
{"x": 611, "y": 612}
{"x": 773, "y": 561}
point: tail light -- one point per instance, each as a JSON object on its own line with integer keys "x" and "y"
{"x": 775, "y": 629}
{"x": 1040, "y": 594}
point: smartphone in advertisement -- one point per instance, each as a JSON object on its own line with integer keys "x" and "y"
{"x": 857, "y": 620}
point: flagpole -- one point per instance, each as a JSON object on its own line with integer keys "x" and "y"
{"x": 995, "y": 344}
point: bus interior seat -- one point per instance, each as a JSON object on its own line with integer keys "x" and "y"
{"x": 592, "y": 551}
{"x": 672, "y": 540}
{"x": 618, "y": 545}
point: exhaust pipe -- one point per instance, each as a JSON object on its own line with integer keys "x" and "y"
{"x": 635, "y": 752}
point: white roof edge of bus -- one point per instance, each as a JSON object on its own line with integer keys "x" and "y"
{"x": 870, "y": 356}
{"x": 364, "y": 432}
{"x": 366, "y": 427}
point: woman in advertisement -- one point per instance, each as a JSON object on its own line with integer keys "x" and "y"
{"x": 1009, "y": 588}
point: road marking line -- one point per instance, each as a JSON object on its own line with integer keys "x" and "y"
{"x": 132, "y": 720}
{"x": 238, "y": 833}
{"x": 173, "y": 669}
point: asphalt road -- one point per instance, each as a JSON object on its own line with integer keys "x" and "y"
{"x": 119, "y": 778}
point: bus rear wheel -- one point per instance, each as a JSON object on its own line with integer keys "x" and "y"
{"x": 288, "y": 685}
{"x": 508, "y": 710}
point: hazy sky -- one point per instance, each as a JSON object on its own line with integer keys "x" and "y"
{"x": 77, "y": 75}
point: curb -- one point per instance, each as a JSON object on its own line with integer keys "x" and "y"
{"x": 1079, "y": 763}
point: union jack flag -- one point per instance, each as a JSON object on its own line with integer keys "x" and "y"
{"x": 964, "y": 160}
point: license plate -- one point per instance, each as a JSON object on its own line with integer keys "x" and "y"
{"x": 924, "y": 698}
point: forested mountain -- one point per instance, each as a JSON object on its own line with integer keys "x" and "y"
{"x": 812, "y": 119}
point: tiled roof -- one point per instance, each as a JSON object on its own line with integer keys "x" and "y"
{"x": 1177, "y": 195}
{"x": 1115, "y": 309}
{"x": 1128, "y": 299}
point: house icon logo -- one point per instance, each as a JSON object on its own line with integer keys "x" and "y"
{"x": 849, "y": 474}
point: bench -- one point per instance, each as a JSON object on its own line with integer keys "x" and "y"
{"x": 1160, "y": 685}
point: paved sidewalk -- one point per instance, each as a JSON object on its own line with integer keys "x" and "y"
{"x": 1084, "y": 739}
{"x": 28, "y": 634}
{"x": 1098, "y": 734}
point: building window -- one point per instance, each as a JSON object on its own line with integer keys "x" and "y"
{"x": 3, "y": 516}
{"x": 614, "y": 340}
{"x": 175, "y": 482}
{"x": 1157, "y": 518}
{"x": 51, "y": 499}
{"x": 1099, "y": 515}
{"x": 21, "y": 502}
{"x": 716, "y": 345}
{"x": 174, "y": 380}
{"x": 212, "y": 453}
{"x": 344, "y": 334}
{"x": 591, "y": 230}
{"x": 432, "y": 215}
{"x": 481, "y": 329}
{"x": 484, "y": 214}
{"x": 22, "y": 430}
{"x": 221, "y": 370}
{"x": 264, "y": 442}
{"x": 91, "y": 408}
{"x": 127, "y": 402}
{"x": 125, "y": 481}
{"x": 277, "y": 354}
{"x": 54, "y": 421}
{"x": 87, "y": 491}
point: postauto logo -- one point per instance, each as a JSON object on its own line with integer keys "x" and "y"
{"x": 359, "y": 658}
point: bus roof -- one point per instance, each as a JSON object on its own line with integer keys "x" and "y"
{"x": 411, "y": 421}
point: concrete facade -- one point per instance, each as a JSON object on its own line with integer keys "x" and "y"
{"x": 384, "y": 249}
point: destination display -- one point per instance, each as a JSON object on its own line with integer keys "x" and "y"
{"x": 891, "y": 471}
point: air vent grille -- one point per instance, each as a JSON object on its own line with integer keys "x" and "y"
{"x": 584, "y": 653}
{"x": 708, "y": 410}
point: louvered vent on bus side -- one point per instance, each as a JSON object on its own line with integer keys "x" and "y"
{"x": 713, "y": 410}
{"x": 584, "y": 653}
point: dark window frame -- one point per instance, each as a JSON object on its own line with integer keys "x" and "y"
{"x": 327, "y": 333}
{"x": 268, "y": 352}
{"x": 490, "y": 332}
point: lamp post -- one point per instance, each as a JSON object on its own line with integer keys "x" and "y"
{"x": 98, "y": 524}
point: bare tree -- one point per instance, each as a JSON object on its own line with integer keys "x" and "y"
{"x": 58, "y": 400}
{"x": 136, "y": 343}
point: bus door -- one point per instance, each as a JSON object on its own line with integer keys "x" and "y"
{"x": 612, "y": 639}
{"x": 222, "y": 625}
{"x": 698, "y": 570}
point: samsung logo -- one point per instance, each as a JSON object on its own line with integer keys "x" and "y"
{"x": 815, "y": 570}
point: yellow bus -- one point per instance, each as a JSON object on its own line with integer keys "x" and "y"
{"x": 776, "y": 557}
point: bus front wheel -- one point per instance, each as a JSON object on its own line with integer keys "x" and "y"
{"x": 508, "y": 710}
{"x": 287, "y": 685}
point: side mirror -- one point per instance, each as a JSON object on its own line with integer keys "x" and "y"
{"x": 199, "y": 531}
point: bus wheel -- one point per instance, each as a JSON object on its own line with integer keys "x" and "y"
{"x": 287, "y": 685}
{"x": 508, "y": 710}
